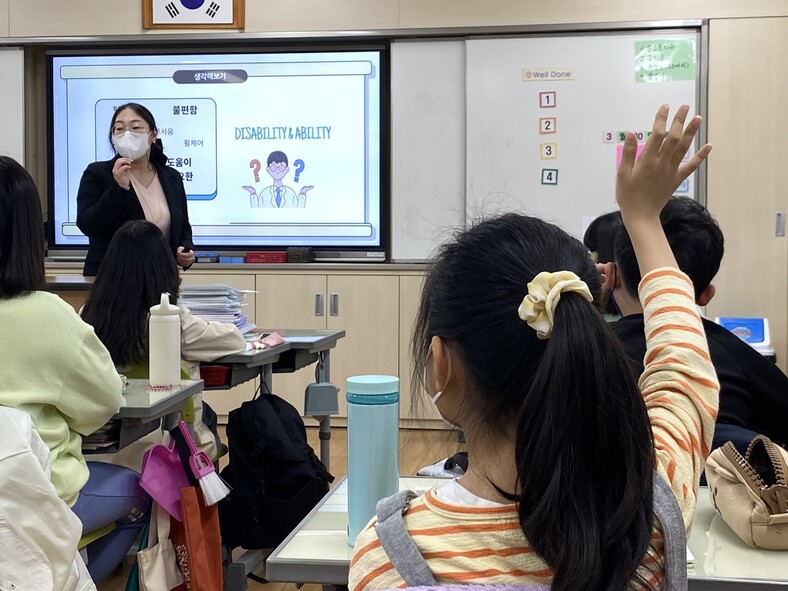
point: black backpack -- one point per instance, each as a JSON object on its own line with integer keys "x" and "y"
{"x": 275, "y": 476}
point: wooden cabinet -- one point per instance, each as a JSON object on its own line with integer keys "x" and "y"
{"x": 747, "y": 176}
{"x": 364, "y": 305}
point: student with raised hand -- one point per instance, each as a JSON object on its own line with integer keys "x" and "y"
{"x": 54, "y": 367}
{"x": 753, "y": 390}
{"x": 139, "y": 269}
{"x": 137, "y": 184}
{"x": 564, "y": 444}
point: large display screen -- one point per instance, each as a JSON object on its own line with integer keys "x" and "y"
{"x": 231, "y": 123}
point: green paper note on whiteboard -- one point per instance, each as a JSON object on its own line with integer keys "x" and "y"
{"x": 664, "y": 60}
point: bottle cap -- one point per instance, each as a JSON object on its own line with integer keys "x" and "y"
{"x": 373, "y": 389}
{"x": 164, "y": 307}
{"x": 373, "y": 385}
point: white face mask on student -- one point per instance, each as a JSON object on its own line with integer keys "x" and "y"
{"x": 434, "y": 397}
{"x": 131, "y": 145}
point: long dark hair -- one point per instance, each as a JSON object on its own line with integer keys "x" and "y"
{"x": 583, "y": 446}
{"x": 22, "y": 247}
{"x": 157, "y": 155}
{"x": 136, "y": 270}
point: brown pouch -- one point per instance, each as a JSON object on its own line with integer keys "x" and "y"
{"x": 750, "y": 492}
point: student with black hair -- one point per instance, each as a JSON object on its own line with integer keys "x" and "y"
{"x": 136, "y": 184}
{"x": 753, "y": 390}
{"x": 54, "y": 367}
{"x": 138, "y": 270}
{"x": 563, "y": 443}
{"x": 600, "y": 239}
{"x": 600, "y": 236}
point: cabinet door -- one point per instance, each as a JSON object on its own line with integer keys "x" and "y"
{"x": 288, "y": 301}
{"x": 368, "y": 310}
{"x": 223, "y": 401}
{"x": 747, "y": 173}
{"x": 414, "y": 403}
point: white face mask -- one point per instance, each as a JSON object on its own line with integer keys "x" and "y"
{"x": 131, "y": 145}
{"x": 437, "y": 395}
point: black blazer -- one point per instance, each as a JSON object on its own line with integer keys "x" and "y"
{"x": 103, "y": 206}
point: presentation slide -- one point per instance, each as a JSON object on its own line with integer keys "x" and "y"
{"x": 279, "y": 149}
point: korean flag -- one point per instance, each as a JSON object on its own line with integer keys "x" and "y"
{"x": 193, "y": 12}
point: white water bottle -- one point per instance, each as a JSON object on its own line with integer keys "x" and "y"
{"x": 164, "y": 343}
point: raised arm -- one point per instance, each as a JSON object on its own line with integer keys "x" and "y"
{"x": 679, "y": 384}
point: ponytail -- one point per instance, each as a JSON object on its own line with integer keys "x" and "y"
{"x": 583, "y": 448}
{"x": 584, "y": 456}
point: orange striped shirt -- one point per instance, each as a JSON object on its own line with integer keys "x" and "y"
{"x": 485, "y": 545}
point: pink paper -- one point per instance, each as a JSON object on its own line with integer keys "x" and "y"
{"x": 620, "y": 150}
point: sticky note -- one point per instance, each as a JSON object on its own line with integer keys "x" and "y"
{"x": 620, "y": 151}
{"x": 665, "y": 60}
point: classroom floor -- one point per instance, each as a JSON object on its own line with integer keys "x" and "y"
{"x": 417, "y": 448}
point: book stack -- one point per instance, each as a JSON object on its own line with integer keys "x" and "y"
{"x": 217, "y": 302}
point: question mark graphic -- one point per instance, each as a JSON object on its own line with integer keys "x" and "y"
{"x": 255, "y": 166}
{"x": 299, "y": 168}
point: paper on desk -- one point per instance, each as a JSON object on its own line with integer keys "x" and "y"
{"x": 690, "y": 557}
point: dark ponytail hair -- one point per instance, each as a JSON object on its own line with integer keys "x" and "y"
{"x": 583, "y": 447}
{"x": 157, "y": 155}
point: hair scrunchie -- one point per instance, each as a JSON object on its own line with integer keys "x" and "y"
{"x": 544, "y": 293}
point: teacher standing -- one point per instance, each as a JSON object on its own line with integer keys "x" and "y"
{"x": 136, "y": 184}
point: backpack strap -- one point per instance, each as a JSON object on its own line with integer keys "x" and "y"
{"x": 667, "y": 510}
{"x": 397, "y": 543}
{"x": 413, "y": 568}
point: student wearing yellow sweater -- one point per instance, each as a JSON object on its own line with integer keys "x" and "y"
{"x": 567, "y": 451}
{"x": 54, "y": 367}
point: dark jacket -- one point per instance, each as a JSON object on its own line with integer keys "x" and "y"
{"x": 103, "y": 206}
{"x": 753, "y": 390}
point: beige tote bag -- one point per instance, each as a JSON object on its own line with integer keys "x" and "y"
{"x": 158, "y": 564}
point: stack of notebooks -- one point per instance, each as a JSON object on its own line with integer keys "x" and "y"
{"x": 217, "y": 302}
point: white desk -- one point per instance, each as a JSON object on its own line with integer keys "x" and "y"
{"x": 142, "y": 410}
{"x": 318, "y": 552}
{"x": 147, "y": 406}
{"x": 723, "y": 561}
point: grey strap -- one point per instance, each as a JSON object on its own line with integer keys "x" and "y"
{"x": 397, "y": 543}
{"x": 667, "y": 510}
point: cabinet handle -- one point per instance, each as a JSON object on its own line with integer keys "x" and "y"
{"x": 333, "y": 304}
{"x": 319, "y": 304}
{"x": 779, "y": 229}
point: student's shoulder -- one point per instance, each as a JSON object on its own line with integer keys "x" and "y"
{"x": 723, "y": 342}
{"x": 54, "y": 316}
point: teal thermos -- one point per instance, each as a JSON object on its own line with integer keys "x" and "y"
{"x": 373, "y": 446}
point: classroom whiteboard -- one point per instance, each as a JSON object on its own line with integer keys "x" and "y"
{"x": 542, "y": 125}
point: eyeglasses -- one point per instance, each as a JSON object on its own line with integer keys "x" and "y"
{"x": 119, "y": 129}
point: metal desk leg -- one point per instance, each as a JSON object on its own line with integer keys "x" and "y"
{"x": 324, "y": 431}
{"x": 267, "y": 375}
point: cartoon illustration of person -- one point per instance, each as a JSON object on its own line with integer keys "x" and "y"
{"x": 277, "y": 195}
